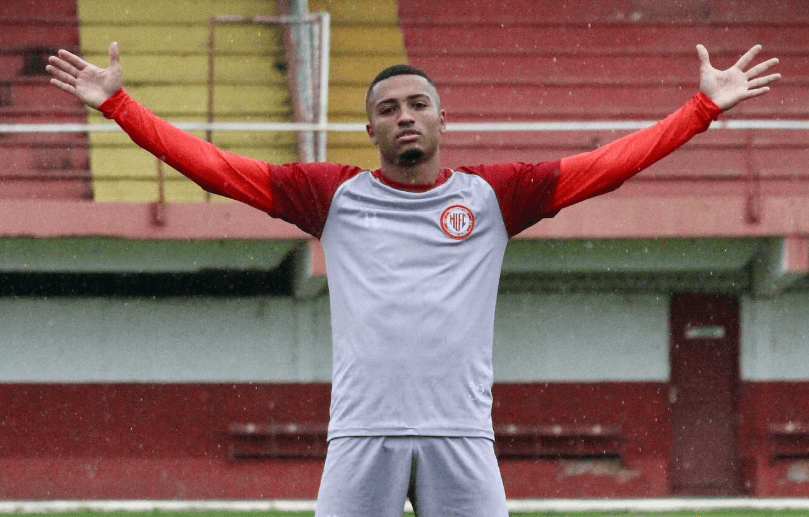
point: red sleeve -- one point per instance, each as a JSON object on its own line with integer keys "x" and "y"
{"x": 605, "y": 169}
{"x": 528, "y": 192}
{"x": 302, "y": 192}
{"x": 298, "y": 193}
{"x": 520, "y": 189}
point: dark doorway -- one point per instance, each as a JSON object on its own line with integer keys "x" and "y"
{"x": 703, "y": 394}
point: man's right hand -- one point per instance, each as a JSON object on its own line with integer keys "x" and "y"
{"x": 89, "y": 83}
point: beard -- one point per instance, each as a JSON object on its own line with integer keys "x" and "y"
{"x": 411, "y": 157}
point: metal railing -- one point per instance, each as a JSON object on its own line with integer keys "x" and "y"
{"x": 307, "y": 45}
{"x": 750, "y": 178}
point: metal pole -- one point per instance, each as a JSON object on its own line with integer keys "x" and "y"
{"x": 302, "y": 51}
{"x": 323, "y": 97}
{"x": 211, "y": 79}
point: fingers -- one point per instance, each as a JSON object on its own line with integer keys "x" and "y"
{"x": 64, "y": 86}
{"x": 748, "y": 57}
{"x": 743, "y": 61}
{"x": 73, "y": 60}
{"x": 63, "y": 70}
{"x": 113, "y": 53}
{"x": 702, "y": 52}
{"x": 54, "y": 63}
{"x": 756, "y": 92}
{"x": 57, "y": 70}
{"x": 761, "y": 68}
{"x": 763, "y": 81}
{"x": 63, "y": 74}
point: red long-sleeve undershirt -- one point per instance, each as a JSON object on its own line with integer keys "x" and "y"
{"x": 606, "y": 168}
{"x": 254, "y": 182}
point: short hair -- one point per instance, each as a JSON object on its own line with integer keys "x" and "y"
{"x": 399, "y": 70}
{"x": 395, "y": 70}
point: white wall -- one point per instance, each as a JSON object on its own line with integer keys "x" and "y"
{"x": 538, "y": 337}
{"x": 775, "y": 338}
{"x": 276, "y": 339}
{"x": 588, "y": 337}
{"x": 210, "y": 339}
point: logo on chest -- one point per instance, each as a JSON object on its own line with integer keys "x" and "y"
{"x": 457, "y": 222}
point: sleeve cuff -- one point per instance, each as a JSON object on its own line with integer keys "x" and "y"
{"x": 707, "y": 106}
{"x": 111, "y": 105}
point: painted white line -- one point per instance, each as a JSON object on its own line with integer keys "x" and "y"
{"x": 654, "y": 505}
{"x": 308, "y": 505}
{"x": 64, "y": 506}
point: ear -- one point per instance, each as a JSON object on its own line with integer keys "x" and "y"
{"x": 442, "y": 118}
{"x": 370, "y": 130}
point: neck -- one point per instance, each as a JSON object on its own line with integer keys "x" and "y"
{"x": 417, "y": 173}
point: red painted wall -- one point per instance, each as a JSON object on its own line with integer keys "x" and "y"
{"x": 149, "y": 440}
{"x": 638, "y": 410}
{"x": 172, "y": 441}
{"x": 774, "y": 438}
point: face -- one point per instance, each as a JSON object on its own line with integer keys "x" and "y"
{"x": 405, "y": 119}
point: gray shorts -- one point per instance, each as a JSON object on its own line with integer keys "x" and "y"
{"x": 442, "y": 476}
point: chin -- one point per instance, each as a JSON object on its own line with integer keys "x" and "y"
{"x": 411, "y": 156}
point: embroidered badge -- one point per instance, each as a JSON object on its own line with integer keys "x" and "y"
{"x": 457, "y": 222}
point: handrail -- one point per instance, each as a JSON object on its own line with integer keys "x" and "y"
{"x": 749, "y": 176}
{"x": 546, "y": 126}
{"x": 310, "y": 149}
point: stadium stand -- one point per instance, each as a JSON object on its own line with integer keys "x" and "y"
{"x": 629, "y": 61}
{"x": 365, "y": 39}
{"x": 164, "y": 51}
{"x": 165, "y": 57}
{"x": 39, "y": 166}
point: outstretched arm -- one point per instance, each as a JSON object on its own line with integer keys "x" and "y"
{"x": 217, "y": 171}
{"x": 298, "y": 193}
{"x": 90, "y": 84}
{"x": 600, "y": 171}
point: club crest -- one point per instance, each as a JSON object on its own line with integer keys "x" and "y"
{"x": 457, "y": 222}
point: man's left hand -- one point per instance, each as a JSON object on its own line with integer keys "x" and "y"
{"x": 726, "y": 88}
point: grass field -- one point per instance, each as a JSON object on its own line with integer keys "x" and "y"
{"x": 617, "y": 513}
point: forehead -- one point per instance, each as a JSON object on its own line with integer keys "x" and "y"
{"x": 401, "y": 87}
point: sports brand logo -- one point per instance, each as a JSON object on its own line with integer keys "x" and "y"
{"x": 457, "y": 222}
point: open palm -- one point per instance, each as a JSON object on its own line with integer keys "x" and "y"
{"x": 726, "y": 88}
{"x": 89, "y": 83}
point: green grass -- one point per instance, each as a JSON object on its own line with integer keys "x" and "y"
{"x": 610, "y": 513}
{"x": 161, "y": 513}
{"x": 711, "y": 513}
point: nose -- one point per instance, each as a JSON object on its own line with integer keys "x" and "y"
{"x": 405, "y": 117}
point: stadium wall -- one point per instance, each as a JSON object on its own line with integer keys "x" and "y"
{"x": 135, "y": 397}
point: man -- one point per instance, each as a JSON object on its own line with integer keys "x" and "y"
{"x": 414, "y": 253}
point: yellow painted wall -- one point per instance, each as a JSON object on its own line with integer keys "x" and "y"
{"x": 163, "y": 48}
{"x": 365, "y": 38}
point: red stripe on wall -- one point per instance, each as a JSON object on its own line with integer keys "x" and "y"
{"x": 141, "y": 441}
